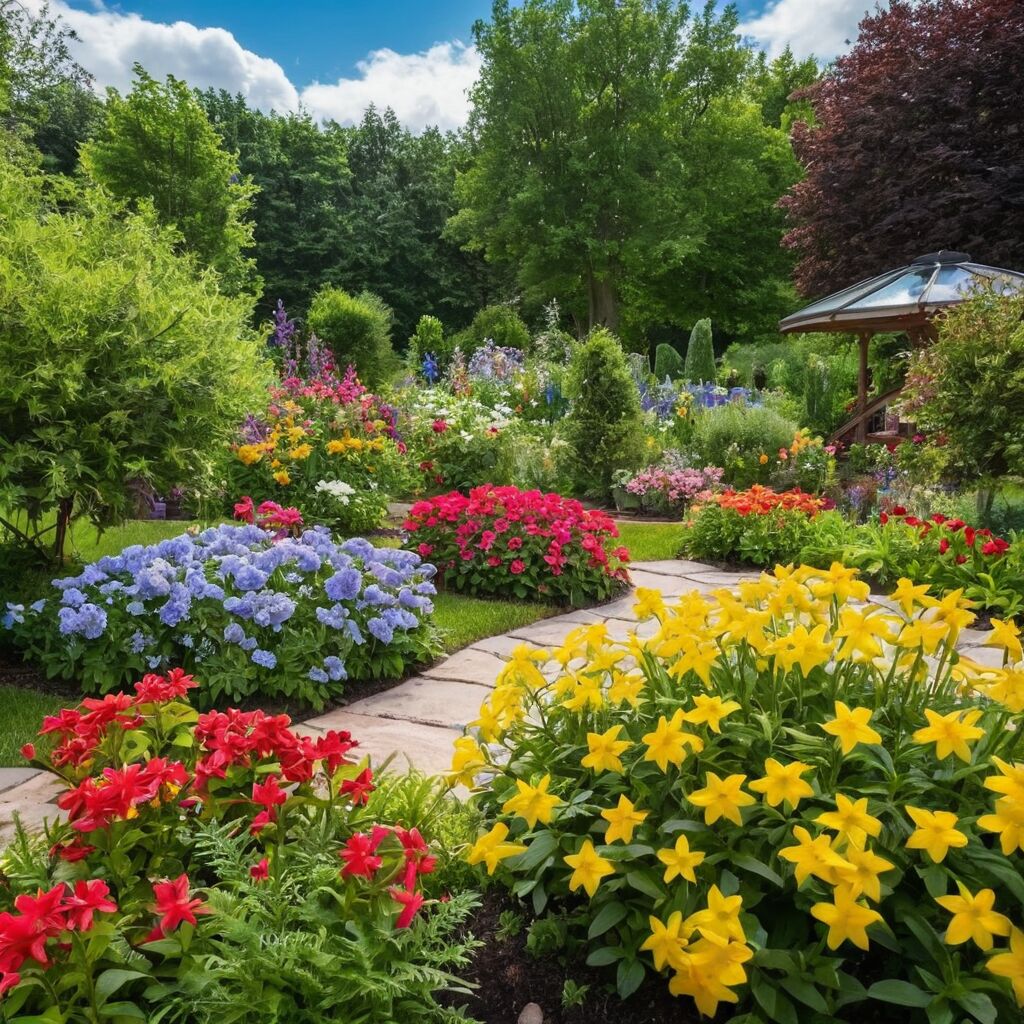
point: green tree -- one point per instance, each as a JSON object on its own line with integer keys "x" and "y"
{"x": 774, "y": 83}
{"x": 358, "y": 330}
{"x": 667, "y": 363}
{"x": 157, "y": 144}
{"x": 122, "y": 361}
{"x": 700, "y": 354}
{"x": 604, "y": 425}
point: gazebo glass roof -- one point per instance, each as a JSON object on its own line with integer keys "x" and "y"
{"x": 902, "y": 296}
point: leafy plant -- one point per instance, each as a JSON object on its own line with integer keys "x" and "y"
{"x": 700, "y": 355}
{"x": 668, "y": 363}
{"x": 783, "y": 797}
{"x": 358, "y": 330}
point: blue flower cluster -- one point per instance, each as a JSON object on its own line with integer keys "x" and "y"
{"x": 306, "y": 609}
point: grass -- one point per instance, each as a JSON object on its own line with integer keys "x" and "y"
{"x": 464, "y": 620}
{"x": 651, "y": 542}
{"x": 22, "y": 712}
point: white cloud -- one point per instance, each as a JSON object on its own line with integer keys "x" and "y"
{"x": 819, "y": 27}
{"x": 428, "y": 88}
{"x": 423, "y": 89}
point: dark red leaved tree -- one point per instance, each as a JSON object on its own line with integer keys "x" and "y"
{"x": 918, "y": 146}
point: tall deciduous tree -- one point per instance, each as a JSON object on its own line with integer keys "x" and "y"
{"x": 157, "y": 144}
{"x": 918, "y": 144}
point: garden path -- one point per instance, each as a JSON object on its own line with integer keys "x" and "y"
{"x": 417, "y": 721}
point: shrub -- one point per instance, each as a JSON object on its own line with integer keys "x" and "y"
{"x": 668, "y": 363}
{"x": 122, "y": 364}
{"x": 500, "y": 324}
{"x": 790, "y": 799}
{"x": 604, "y": 424}
{"x": 743, "y": 439}
{"x": 429, "y": 340}
{"x": 358, "y": 330}
{"x": 758, "y": 526}
{"x": 524, "y": 544}
{"x": 291, "y": 618}
{"x": 216, "y": 868}
{"x": 700, "y": 355}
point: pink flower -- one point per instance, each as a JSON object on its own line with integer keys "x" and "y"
{"x": 517, "y": 567}
{"x": 244, "y": 510}
{"x": 260, "y": 871}
{"x": 411, "y": 903}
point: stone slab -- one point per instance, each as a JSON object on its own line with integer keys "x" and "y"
{"x": 41, "y": 788}
{"x": 670, "y": 567}
{"x": 670, "y": 586}
{"x": 502, "y": 646}
{"x": 468, "y": 666}
{"x": 426, "y": 747}
{"x": 438, "y": 702}
{"x": 11, "y": 777}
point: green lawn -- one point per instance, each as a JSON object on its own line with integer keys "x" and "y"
{"x": 21, "y": 712}
{"x": 464, "y": 620}
{"x": 651, "y": 542}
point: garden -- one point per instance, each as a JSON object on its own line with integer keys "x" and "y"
{"x": 506, "y": 640}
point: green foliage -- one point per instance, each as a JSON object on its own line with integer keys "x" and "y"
{"x": 700, "y": 355}
{"x": 157, "y": 144}
{"x": 500, "y": 324}
{"x": 735, "y": 436}
{"x": 717, "y": 534}
{"x": 667, "y": 363}
{"x": 969, "y": 386}
{"x": 604, "y": 425}
{"x": 358, "y": 330}
{"x": 428, "y": 339}
{"x": 122, "y": 362}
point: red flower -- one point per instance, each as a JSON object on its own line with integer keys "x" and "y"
{"x": 174, "y": 906}
{"x": 71, "y": 852}
{"x": 89, "y": 897}
{"x": 411, "y": 903}
{"x": 960, "y": 559}
{"x": 359, "y": 788}
{"x": 154, "y": 689}
{"x": 515, "y": 543}
{"x": 260, "y": 872}
{"x": 332, "y": 748}
{"x": 517, "y": 567}
{"x": 943, "y": 546}
{"x": 425, "y": 550}
{"x": 969, "y": 536}
{"x": 268, "y": 794}
{"x": 996, "y": 546}
{"x": 417, "y": 853}
{"x": 244, "y": 510}
{"x": 359, "y": 856}
{"x": 8, "y": 981}
{"x": 439, "y": 426}
{"x": 883, "y": 518}
{"x": 28, "y": 751}
{"x": 494, "y": 561}
{"x": 899, "y": 510}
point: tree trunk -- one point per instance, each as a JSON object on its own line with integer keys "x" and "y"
{"x": 64, "y": 509}
{"x": 603, "y": 302}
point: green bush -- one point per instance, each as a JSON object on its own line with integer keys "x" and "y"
{"x": 358, "y": 330}
{"x": 429, "y": 339}
{"x": 604, "y": 425}
{"x": 700, "y": 354}
{"x": 499, "y": 323}
{"x": 667, "y": 363}
{"x": 717, "y": 534}
{"x": 735, "y": 436}
{"x": 122, "y": 363}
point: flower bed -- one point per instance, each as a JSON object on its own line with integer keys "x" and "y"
{"x": 668, "y": 488}
{"x": 206, "y": 864}
{"x": 784, "y": 799}
{"x": 289, "y": 618}
{"x": 503, "y": 541}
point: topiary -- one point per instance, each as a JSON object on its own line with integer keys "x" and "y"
{"x": 604, "y": 425}
{"x": 502, "y": 325}
{"x": 429, "y": 339}
{"x": 667, "y": 363}
{"x": 700, "y": 355}
{"x": 358, "y": 330}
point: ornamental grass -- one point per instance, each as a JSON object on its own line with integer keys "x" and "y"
{"x": 781, "y": 797}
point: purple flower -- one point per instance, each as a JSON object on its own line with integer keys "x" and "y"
{"x": 344, "y": 585}
{"x": 379, "y": 628}
{"x": 264, "y": 659}
{"x": 335, "y": 668}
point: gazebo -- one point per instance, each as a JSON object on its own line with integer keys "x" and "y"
{"x": 904, "y": 300}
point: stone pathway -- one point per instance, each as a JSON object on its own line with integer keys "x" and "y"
{"x": 416, "y": 722}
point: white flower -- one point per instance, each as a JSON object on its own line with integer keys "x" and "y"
{"x": 337, "y": 489}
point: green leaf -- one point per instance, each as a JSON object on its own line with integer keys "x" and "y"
{"x": 607, "y": 917}
{"x": 900, "y": 992}
{"x": 122, "y": 1010}
{"x": 111, "y": 980}
{"x": 750, "y": 863}
{"x": 541, "y": 847}
{"x": 643, "y": 883}
{"x": 604, "y": 956}
{"x": 979, "y": 1006}
{"x": 628, "y": 977}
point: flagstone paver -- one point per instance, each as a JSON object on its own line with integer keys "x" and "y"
{"x": 417, "y": 721}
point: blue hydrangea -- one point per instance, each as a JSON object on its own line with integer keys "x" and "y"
{"x": 334, "y": 616}
{"x": 139, "y": 642}
{"x": 344, "y": 585}
{"x": 135, "y": 608}
{"x": 73, "y": 597}
{"x": 233, "y": 633}
{"x": 379, "y": 628}
{"x": 248, "y": 644}
{"x": 15, "y": 614}
{"x": 88, "y": 621}
{"x": 318, "y": 675}
{"x": 250, "y": 578}
{"x": 335, "y": 668}
{"x": 264, "y": 658}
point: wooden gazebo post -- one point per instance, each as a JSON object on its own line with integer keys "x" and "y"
{"x": 864, "y": 338}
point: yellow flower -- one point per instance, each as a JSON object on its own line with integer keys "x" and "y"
{"x": 521, "y": 669}
{"x": 865, "y": 867}
{"x": 697, "y": 655}
{"x": 282, "y": 477}
{"x": 703, "y": 986}
{"x": 668, "y": 742}
{"x": 680, "y": 860}
{"x": 605, "y": 750}
{"x": 249, "y": 453}
{"x": 952, "y": 610}
{"x": 710, "y": 710}
{"x": 922, "y": 635}
{"x": 910, "y": 596}
{"x": 626, "y": 688}
{"x": 783, "y": 783}
{"x": 951, "y": 733}
{"x": 846, "y": 919}
{"x": 1008, "y": 821}
{"x": 851, "y": 821}
{"x": 300, "y": 452}
{"x": 534, "y": 803}
{"x": 1011, "y": 965}
{"x": 722, "y": 958}
{"x": 936, "y": 832}
{"x": 1007, "y": 687}
{"x": 666, "y": 941}
{"x": 722, "y": 798}
{"x": 588, "y": 868}
{"x": 1004, "y": 634}
{"x": 649, "y": 603}
{"x": 622, "y": 820}
{"x": 722, "y": 916}
{"x": 467, "y": 760}
{"x": 974, "y": 917}
{"x": 1010, "y": 781}
{"x": 584, "y": 692}
{"x": 860, "y": 632}
{"x": 841, "y": 583}
{"x": 851, "y": 727}
{"x": 803, "y": 648}
{"x": 492, "y": 848}
{"x": 814, "y": 857}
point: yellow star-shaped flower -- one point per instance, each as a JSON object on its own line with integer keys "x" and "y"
{"x": 851, "y": 821}
{"x": 846, "y": 919}
{"x": 910, "y": 596}
{"x": 622, "y": 820}
{"x": 814, "y": 857}
{"x": 722, "y": 798}
{"x": 782, "y": 783}
{"x": 492, "y": 848}
{"x": 534, "y": 803}
{"x": 710, "y": 710}
{"x": 721, "y": 917}
{"x": 605, "y": 750}
{"x": 588, "y": 868}
{"x": 865, "y": 867}
{"x": 668, "y": 743}
{"x": 1011, "y": 964}
{"x": 666, "y": 941}
{"x": 680, "y": 860}
{"x": 936, "y": 832}
{"x": 1008, "y": 821}
{"x": 1006, "y": 635}
{"x": 850, "y": 727}
{"x": 951, "y": 733}
{"x": 974, "y": 917}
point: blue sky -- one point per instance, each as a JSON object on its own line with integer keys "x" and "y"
{"x": 335, "y": 58}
